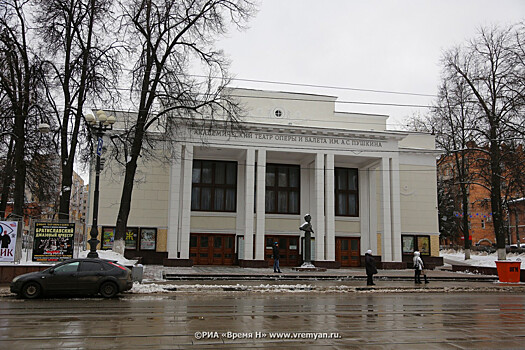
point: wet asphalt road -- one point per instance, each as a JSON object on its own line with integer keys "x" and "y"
{"x": 369, "y": 321}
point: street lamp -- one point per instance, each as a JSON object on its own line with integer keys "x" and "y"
{"x": 98, "y": 125}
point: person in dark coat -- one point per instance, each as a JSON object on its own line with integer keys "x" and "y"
{"x": 275, "y": 249}
{"x": 371, "y": 270}
{"x": 6, "y": 240}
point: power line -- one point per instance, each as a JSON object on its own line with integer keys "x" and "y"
{"x": 322, "y": 86}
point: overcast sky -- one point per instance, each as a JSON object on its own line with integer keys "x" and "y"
{"x": 393, "y": 45}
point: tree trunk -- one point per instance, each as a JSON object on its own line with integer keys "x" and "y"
{"x": 495, "y": 193}
{"x": 8, "y": 179}
{"x": 65, "y": 192}
{"x": 465, "y": 221}
{"x": 20, "y": 166}
{"x": 125, "y": 201}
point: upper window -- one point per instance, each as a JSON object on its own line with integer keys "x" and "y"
{"x": 346, "y": 192}
{"x": 214, "y": 186}
{"x": 282, "y": 189}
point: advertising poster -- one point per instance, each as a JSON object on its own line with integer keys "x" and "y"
{"x": 108, "y": 236}
{"x": 147, "y": 238}
{"x": 53, "y": 241}
{"x": 132, "y": 238}
{"x": 8, "y": 231}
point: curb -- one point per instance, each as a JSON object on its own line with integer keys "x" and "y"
{"x": 290, "y": 277}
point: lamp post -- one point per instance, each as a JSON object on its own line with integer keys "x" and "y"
{"x": 99, "y": 126}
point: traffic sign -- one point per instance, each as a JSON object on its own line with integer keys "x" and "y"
{"x": 99, "y": 146}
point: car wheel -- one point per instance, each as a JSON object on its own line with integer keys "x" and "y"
{"x": 108, "y": 289}
{"x": 31, "y": 290}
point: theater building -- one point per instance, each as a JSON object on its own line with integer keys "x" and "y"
{"x": 228, "y": 195}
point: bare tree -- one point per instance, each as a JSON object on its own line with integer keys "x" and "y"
{"x": 488, "y": 66}
{"x": 454, "y": 121}
{"x": 20, "y": 96}
{"x": 172, "y": 38}
{"x": 81, "y": 66}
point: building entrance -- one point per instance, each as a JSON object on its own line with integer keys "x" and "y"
{"x": 288, "y": 250}
{"x": 347, "y": 251}
{"x": 212, "y": 249}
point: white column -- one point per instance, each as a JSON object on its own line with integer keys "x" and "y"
{"x": 249, "y": 191}
{"x": 241, "y": 209}
{"x": 329, "y": 208}
{"x": 260, "y": 208}
{"x": 364, "y": 211}
{"x": 372, "y": 209}
{"x": 187, "y": 163}
{"x": 174, "y": 203}
{"x": 386, "y": 232}
{"x": 395, "y": 209}
{"x": 318, "y": 218}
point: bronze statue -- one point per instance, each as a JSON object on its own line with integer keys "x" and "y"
{"x": 307, "y": 228}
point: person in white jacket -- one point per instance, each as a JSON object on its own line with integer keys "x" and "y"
{"x": 418, "y": 267}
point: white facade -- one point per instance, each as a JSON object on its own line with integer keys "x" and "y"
{"x": 397, "y": 193}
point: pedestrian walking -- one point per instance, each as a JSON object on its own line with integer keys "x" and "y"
{"x": 275, "y": 249}
{"x": 371, "y": 270}
{"x": 418, "y": 267}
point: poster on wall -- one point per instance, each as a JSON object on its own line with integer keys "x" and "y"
{"x": 53, "y": 241}
{"x": 148, "y": 238}
{"x": 423, "y": 245}
{"x": 132, "y": 236}
{"x": 8, "y": 231}
{"x": 108, "y": 236}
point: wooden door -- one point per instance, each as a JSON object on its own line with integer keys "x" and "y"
{"x": 211, "y": 249}
{"x": 347, "y": 251}
{"x": 288, "y": 250}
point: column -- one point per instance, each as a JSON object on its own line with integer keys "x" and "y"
{"x": 184, "y": 238}
{"x": 329, "y": 208}
{"x": 260, "y": 206}
{"x": 364, "y": 210}
{"x": 395, "y": 208}
{"x": 174, "y": 203}
{"x": 249, "y": 196}
{"x": 372, "y": 209}
{"x": 386, "y": 232}
{"x": 318, "y": 217}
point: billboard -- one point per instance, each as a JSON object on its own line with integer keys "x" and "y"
{"x": 53, "y": 241}
{"x": 8, "y": 232}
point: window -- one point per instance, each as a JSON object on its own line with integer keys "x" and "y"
{"x": 282, "y": 189}
{"x": 91, "y": 266}
{"x": 214, "y": 186}
{"x": 346, "y": 192}
{"x": 411, "y": 243}
{"x": 482, "y": 223}
{"x": 71, "y": 267}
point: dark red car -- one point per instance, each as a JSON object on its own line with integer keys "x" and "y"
{"x": 75, "y": 276}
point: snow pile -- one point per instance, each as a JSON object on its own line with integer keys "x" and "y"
{"x": 148, "y": 288}
{"x": 109, "y": 255}
{"x": 479, "y": 258}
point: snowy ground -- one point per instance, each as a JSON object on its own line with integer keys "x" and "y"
{"x": 479, "y": 258}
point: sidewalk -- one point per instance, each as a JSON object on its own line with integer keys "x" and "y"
{"x": 154, "y": 273}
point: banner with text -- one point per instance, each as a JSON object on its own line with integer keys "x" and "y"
{"x": 8, "y": 231}
{"x": 53, "y": 241}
